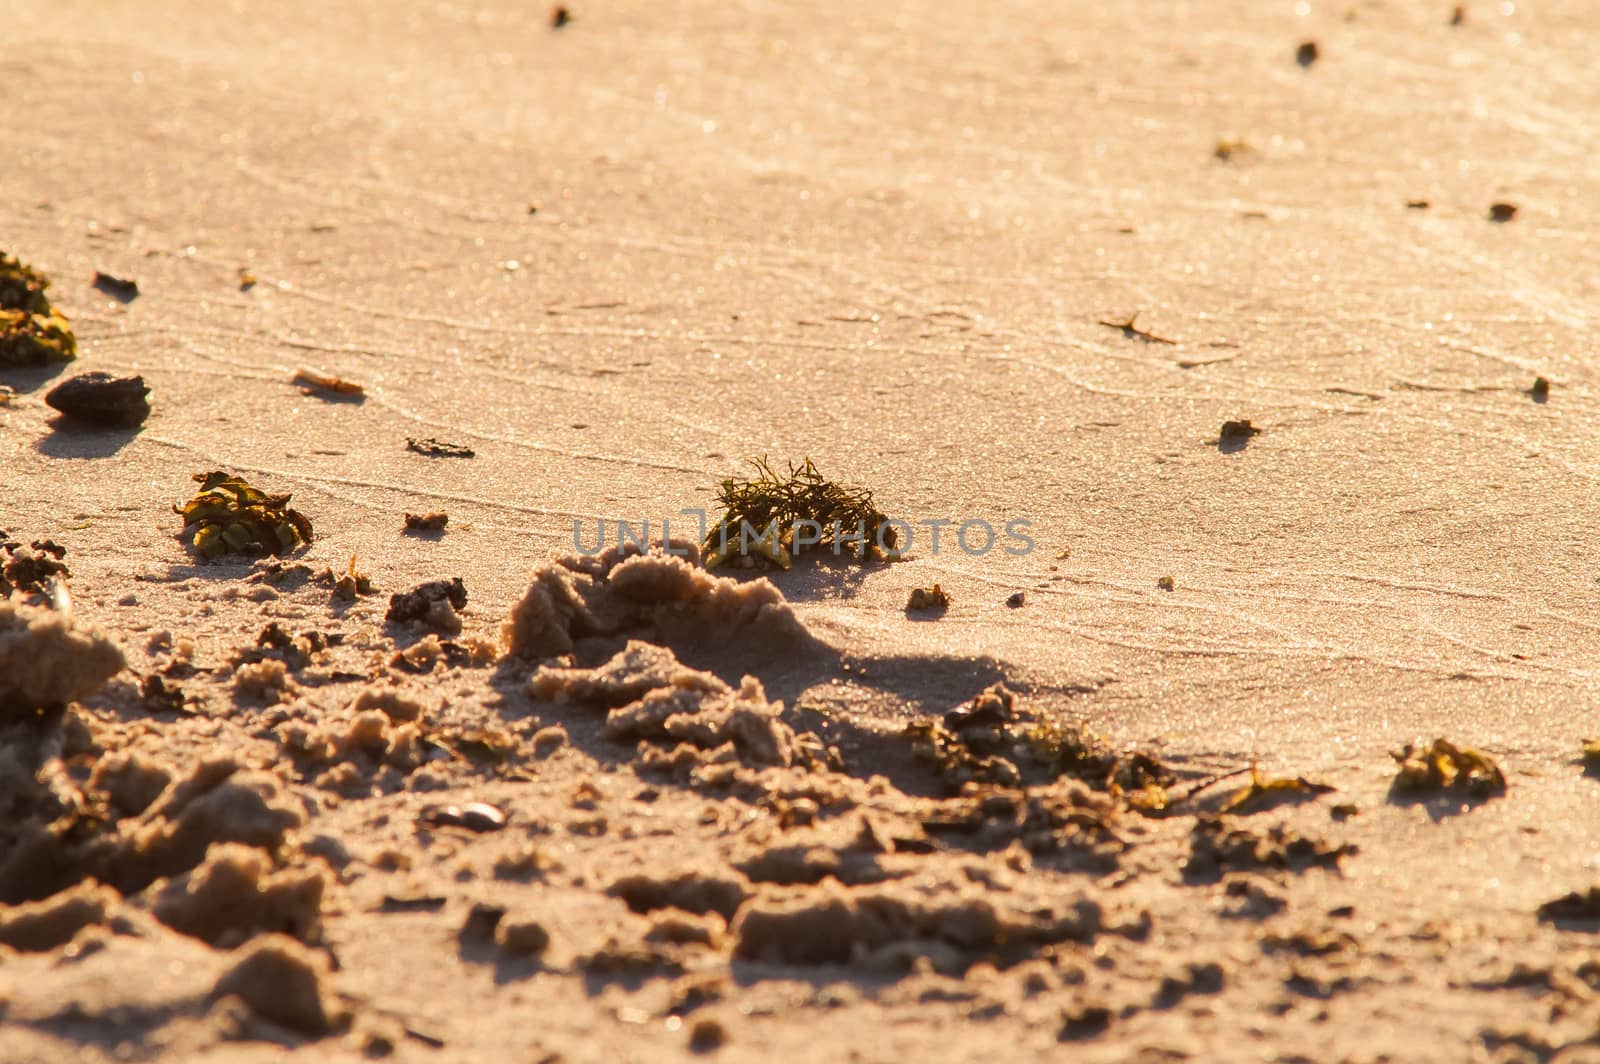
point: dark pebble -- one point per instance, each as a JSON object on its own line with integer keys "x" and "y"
{"x": 102, "y": 399}
{"x": 1238, "y": 431}
{"x": 116, "y": 287}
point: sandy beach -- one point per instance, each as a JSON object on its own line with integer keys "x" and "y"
{"x": 1011, "y": 266}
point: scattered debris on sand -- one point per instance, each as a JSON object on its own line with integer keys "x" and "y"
{"x": 438, "y": 448}
{"x": 1128, "y": 328}
{"x": 101, "y": 399}
{"x": 930, "y": 599}
{"x": 35, "y": 575}
{"x": 121, "y": 289}
{"x": 1217, "y": 846}
{"x": 435, "y": 603}
{"x": 430, "y": 522}
{"x": 773, "y": 517}
{"x": 431, "y": 653}
{"x": 348, "y": 585}
{"x": 1266, "y": 792}
{"x": 32, "y": 332}
{"x": 228, "y": 516}
{"x": 1445, "y": 766}
{"x": 665, "y": 598}
{"x": 1227, "y": 149}
{"x": 992, "y": 740}
{"x": 312, "y": 382}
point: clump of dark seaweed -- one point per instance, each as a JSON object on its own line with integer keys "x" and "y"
{"x": 22, "y": 287}
{"x": 990, "y": 741}
{"x": 774, "y": 516}
{"x": 228, "y": 516}
{"x": 32, "y": 333}
{"x": 36, "y": 574}
{"x": 1446, "y": 766}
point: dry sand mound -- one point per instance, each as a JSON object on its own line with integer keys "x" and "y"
{"x": 666, "y": 599}
{"x": 46, "y": 659}
{"x": 655, "y": 698}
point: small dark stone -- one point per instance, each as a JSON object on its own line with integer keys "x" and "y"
{"x": 117, "y": 288}
{"x": 1418, "y": 204}
{"x": 1017, "y": 599}
{"x": 1502, "y": 212}
{"x": 1237, "y": 431}
{"x": 1307, "y": 53}
{"x": 101, "y": 399}
{"x": 559, "y": 16}
{"x": 707, "y": 1035}
{"x": 1540, "y": 390}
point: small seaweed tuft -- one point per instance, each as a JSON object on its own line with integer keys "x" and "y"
{"x": 772, "y": 517}
{"x": 1446, "y": 766}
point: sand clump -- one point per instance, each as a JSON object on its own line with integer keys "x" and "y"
{"x": 689, "y": 891}
{"x": 665, "y": 598}
{"x": 262, "y": 681}
{"x": 218, "y": 803}
{"x": 378, "y": 739}
{"x": 1217, "y": 845}
{"x": 46, "y": 659}
{"x": 40, "y": 926}
{"x": 235, "y": 895}
{"x": 649, "y": 695}
{"x": 130, "y": 782}
{"x": 894, "y": 925}
{"x": 282, "y": 982}
{"x": 51, "y": 843}
{"x": 395, "y": 705}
